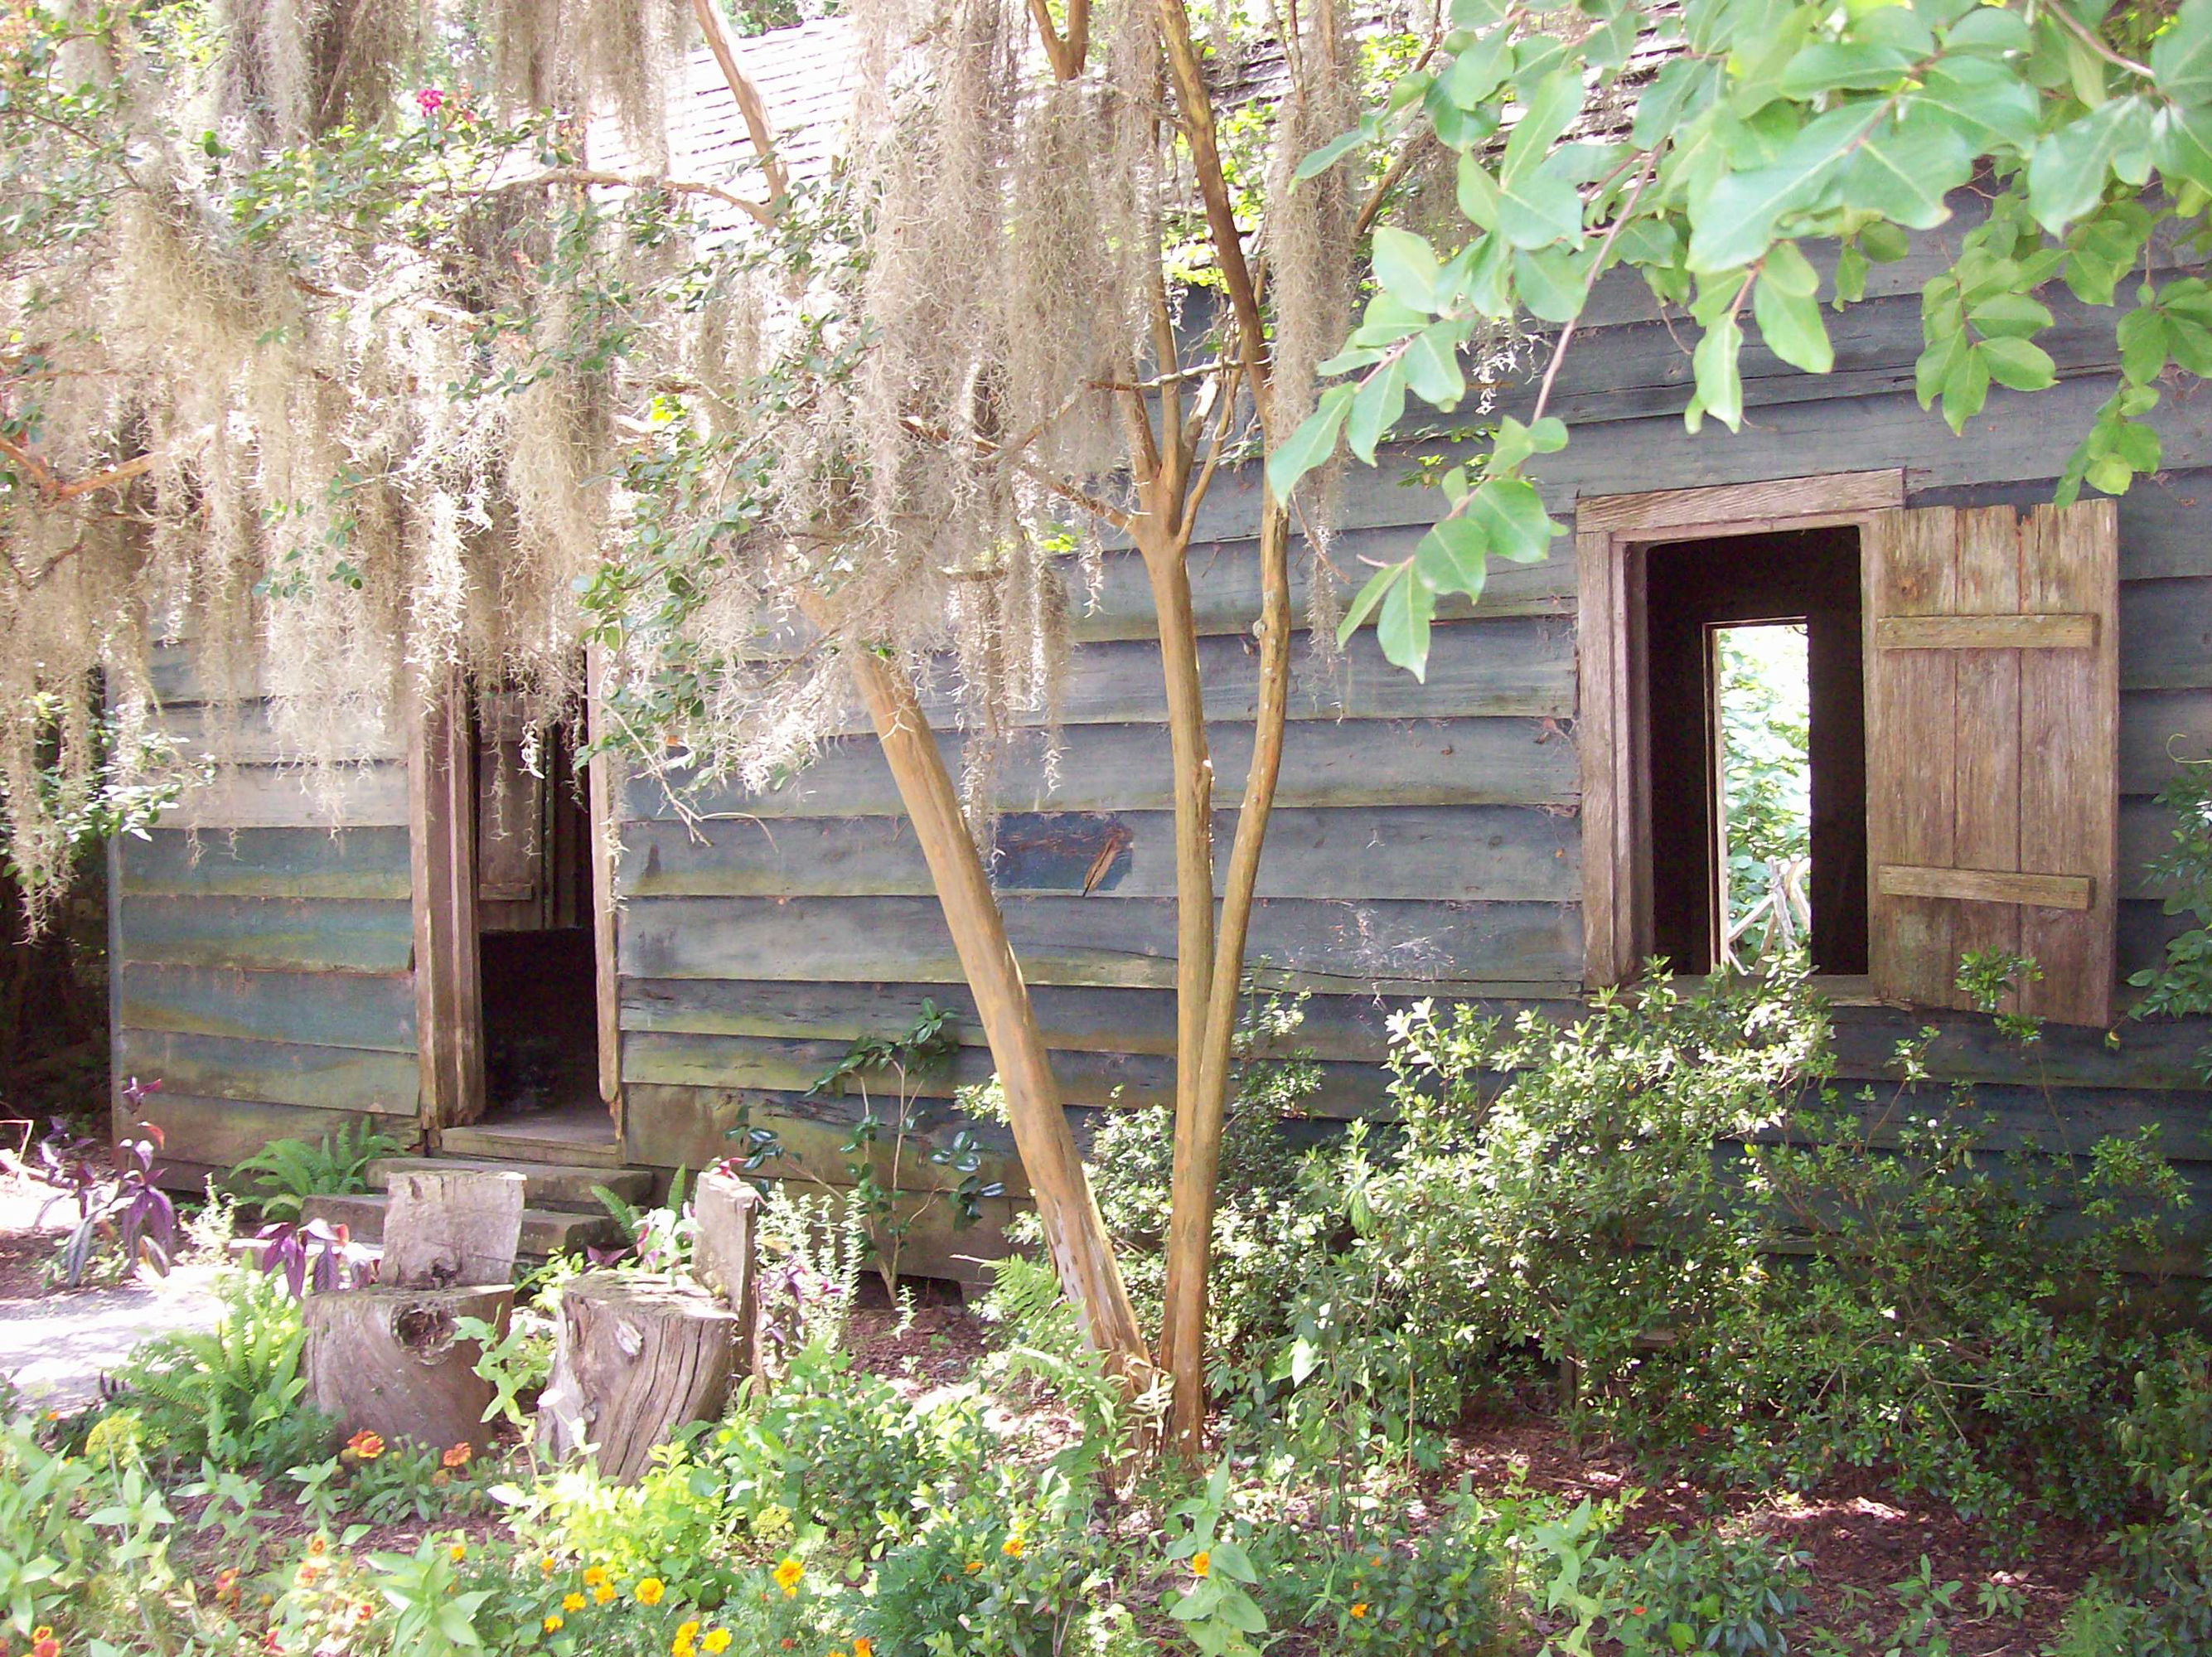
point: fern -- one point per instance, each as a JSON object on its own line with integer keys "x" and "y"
{"x": 284, "y": 1174}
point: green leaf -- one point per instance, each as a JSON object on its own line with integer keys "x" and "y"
{"x": 1552, "y": 109}
{"x": 1966, "y": 389}
{"x": 1313, "y": 442}
{"x": 1905, "y": 168}
{"x": 1376, "y": 408}
{"x": 1454, "y": 557}
{"x": 2181, "y": 58}
{"x": 1792, "y": 327}
{"x": 1484, "y": 281}
{"x": 2142, "y": 335}
{"x": 2066, "y": 174}
{"x": 1549, "y": 284}
{"x": 2018, "y": 364}
{"x": 1789, "y": 270}
{"x": 1883, "y": 242}
{"x": 1720, "y": 382}
{"x": 1843, "y": 65}
{"x": 1478, "y": 193}
{"x": 1936, "y": 365}
{"x": 2181, "y": 144}
{"x": 1733, "y": 221}
{"x": 1986, "y": 100}
{"x": 1406, "y": 266}
{"x": 1329, "y": 154}
{"x": 1991, "y": 31}
{"x": 2011, "y": 315}
{"x": 1510, "y": 515}
{"x": 1431, "y": 363}
{"x": 1476, "y": 72}
{"x": 1538, "y": 208}
{"x": 1232, "y": 1561}
{"x": 1370, "y": 596}
{"x": 1402, "y": 628}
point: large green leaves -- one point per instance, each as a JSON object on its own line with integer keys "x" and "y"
{"x": 2181, "y": 58}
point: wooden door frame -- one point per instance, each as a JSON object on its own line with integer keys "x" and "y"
{"x": 441, "y": 833}
{"x": 1610, "y": 530}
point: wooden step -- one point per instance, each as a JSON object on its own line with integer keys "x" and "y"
{"x": 545, "y": 1232}
{"x": 545, "y": 1184}
{"x": 556, "y": 1140}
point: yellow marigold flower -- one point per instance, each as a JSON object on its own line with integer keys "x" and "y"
{"x": 681, "y": 1646}
{"x": 1201, "y": 1562}
{"x": 649, "y": 1591}
{"x": 1012, "y": 1547}
{"x": 602, "y": 1593}
{"x": 1360, "y": 1610}
{"x": 689, "y": 1630}
{"x": 787, "y": 1575}
{"x": 554, "y": 1621}
{"x": 863, "y": 1648}
{"x": 572, "y": 1602}
{"x": 545, "y": 1566}
{"x": 594, "y": 1576}
{"x": 716, "y": 1643}
{"x": 458, "y": 1552}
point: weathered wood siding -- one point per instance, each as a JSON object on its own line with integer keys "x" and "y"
{"x": 264, "y": 945}
{"x": 1426, "y": 839}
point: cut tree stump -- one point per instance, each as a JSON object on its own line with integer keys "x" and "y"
{"x": 725, "y": 1256}
{"x": 391, "y": 1359}
{"x": 444, "y": 1227}
{"x": 637, "y": 1357}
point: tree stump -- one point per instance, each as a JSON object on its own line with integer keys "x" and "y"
{"x": 725, "y": 1256}
{"x": 637, "y": 1356}
{"x": 448, "y": 1227}
{"x": 390, "y": 1359}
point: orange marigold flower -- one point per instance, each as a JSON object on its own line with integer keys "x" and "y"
{"x": 365, "y": 1446}
{"x": 1012, "y": 1547}
{"x": 1359, "y": 1609}
{"x": 602, "y": 1593}
{"x": 572, "y": 1602}
{"x": 787, "y": 1575}
{"x": 973, "y": 1566}
{"x": 863, "y": 1648}
{"x": 1201, "y": 1562}
{"x": 649, "y": 1591}
{"x": 553, "y": 1621}
{"x": 457, "y": 1456}
{"x": 545, "y": 1566}
{"x": 594, "y": 1576}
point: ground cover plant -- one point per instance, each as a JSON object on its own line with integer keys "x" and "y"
{"x": 1527, "y": 1379}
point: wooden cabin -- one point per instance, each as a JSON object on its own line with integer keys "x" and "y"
{"x": 1998, "y": 690}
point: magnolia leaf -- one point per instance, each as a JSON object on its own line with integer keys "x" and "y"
{"x": 1720, "y": 382}
{"x": 1376, "y": 408}
{"x": 1402, "y": 627}
{"x": 1313, "y": 442}
{"x": 1406, "y": 266}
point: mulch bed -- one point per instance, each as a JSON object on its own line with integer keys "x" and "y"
{"x": 1859, "y": 1536}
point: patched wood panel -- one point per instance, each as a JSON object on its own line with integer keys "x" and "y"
{"x": 1080, "y": 941}
{"x": 273, "y": 1072}
{"x": 221, "y": 1133}
{"x": 324, "y": 1009}
{"x": 300, "y": 935}
{"x": 1414, "y": 762}
{"x": 269, "y": 863}
{"x": 374, "y": 794}
{"x": 1456, "y": 853}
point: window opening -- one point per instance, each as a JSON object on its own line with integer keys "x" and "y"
{"x": 1753, "y": 739}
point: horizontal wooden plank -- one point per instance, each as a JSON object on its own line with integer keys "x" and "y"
{"x": 267, "y": 862}
{"x": 1427, "y": 762}
{"x": 323, "y": 1009}
{"x": 1985, "y": 886}
{"x": 273, "y": 1072}
{"x": 2159, "y": 730}
{"x": 2052, "y": 632}
{"x": 1355, "y": 1029}
{"x": 245, "y": 732}
{"x": 374, "y": 794}
{"x": 1461, "y": 853}
{"x": 1079, "y": 940}
{"x": 2166, "y": 634}
{"x": 221, "y": 1133}
{"x": 303, "y": 935}
{"x": 1655, "y": 510}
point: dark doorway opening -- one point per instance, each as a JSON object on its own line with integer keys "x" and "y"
{"x": 1695, "y": 593}
{"x": 533, "y": 919}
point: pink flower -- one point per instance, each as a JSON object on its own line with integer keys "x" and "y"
{"x": 431, "y": 101}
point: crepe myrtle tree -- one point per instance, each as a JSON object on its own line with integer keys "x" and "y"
{"x": 1769, "y": 124}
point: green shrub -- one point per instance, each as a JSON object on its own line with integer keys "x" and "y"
{"x": 1448, "y": 1588}
{"x": 231, "y": 1396}
{"x": 1704, "y": 1593}
{"x": 2167, "y": 1439}
{"x": 844, "y": 1451}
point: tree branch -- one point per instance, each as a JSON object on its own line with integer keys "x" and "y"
{"x": 750, "y": 105}
{"x": 586, "y": 175}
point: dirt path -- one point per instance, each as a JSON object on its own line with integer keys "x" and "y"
{"x": 55, "y": 1344}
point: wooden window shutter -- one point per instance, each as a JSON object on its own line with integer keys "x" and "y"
{"x": 1992, "y": 687}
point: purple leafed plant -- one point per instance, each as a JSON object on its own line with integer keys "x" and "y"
{"x": 119, "y": 1201}
{"x": 311, "y": 1255}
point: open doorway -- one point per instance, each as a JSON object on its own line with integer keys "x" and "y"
{"x": 538, "y": 986}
